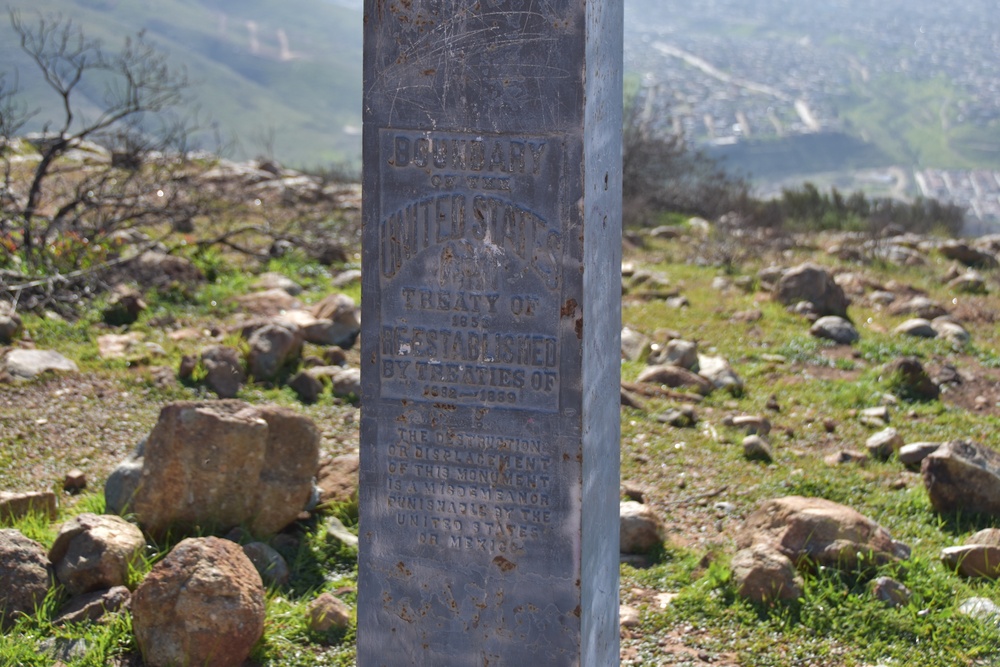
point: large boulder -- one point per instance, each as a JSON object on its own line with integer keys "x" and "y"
{"x": 203, "y": 604}
{"x": 819, "y": 532}
{"x": 963, "y": 476}
{"x": 811, "y": 282}
{"x": 25, "y": 576}
{"x": 225, "y": 464}
{"x": 94, "y": 552}
{"x": 221, "y": 464}
{"x": 290, "y": 462}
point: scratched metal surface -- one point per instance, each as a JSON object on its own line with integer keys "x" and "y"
{"x": 489, "y": 454}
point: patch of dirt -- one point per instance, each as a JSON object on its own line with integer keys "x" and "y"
{"x": 977, "y": 389}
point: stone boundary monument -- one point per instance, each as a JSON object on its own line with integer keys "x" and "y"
{"x": 490, "y": 339}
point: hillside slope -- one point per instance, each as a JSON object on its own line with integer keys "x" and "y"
{"x": 267, "y": 76}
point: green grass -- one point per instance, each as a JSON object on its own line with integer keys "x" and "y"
{"x": 914, "y": 122}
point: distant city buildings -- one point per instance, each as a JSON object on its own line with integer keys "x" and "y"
{"x": 978, "y": 191}
{"x": 729, "y": 70}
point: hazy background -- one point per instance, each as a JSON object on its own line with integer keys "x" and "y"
{"x": 895, "y": 97}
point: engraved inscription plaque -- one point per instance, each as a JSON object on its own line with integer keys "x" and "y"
{"x": 491, "y": 315}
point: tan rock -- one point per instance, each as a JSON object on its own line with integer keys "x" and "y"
{"x": 203, "y": 604}
{"x": 762, "y": 574}
{"x": 14, "y": 506}
{"x": 224, "y": 464}
{"x": 973, "y": 560}
{"x": 640, "y": 528}
{"x": 94, "y": 552}
{"x": 963, "y": 476}
{"x": 25, "y": 576}
{"x": 676, "y": 377}
{"x": 815, "y": 531}
{"x": 327, "y": 612}
{"x": 337, "y": 479}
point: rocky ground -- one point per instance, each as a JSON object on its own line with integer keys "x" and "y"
{"x": 809, "y": 466}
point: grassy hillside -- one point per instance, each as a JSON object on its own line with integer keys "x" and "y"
{"x": 303, "y": 98}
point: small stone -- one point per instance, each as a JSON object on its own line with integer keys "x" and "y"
{"x": 25, "y": 576}
{"x": 683, "y": 417}
{"x": 306, "y": 386}
{"x": 340, "y": 532}
{"x": 917, "y": 327}
{"x": 752, "y": 425}
{"x": 224, "y": 370}
{"x": 95, "y": 552}
{"x": 951, "y": 331}
{"x": 879, "y": 415}
{"x": 973, "y": 560}
{"x": 720, "y": 373}
{"x": 75, "y": 481}
{"x": 677, "y": 302}
{"x": 28, "y": 364}
{"x": 629, "y": 617}
{"x": 11, "y": 325}
{"x": 763, "y": 574}
{"x": 635, "y": 345}
{"x": 891, "y": 592}
{"x": 676, "y": 377}
{"x": 963, "y": 476}
{"x": 93, "y": 606}
{"x": 843, "y": 457}
{"x": 912, "y": 455}
{"x": 982, "y": 609}
{"x": 677, "y": 352}
{"x": 640, "y": 530}
{"x": 273, "y": 280}
{"x": 911, "y": 380}
{"x": 756, "y": 448}
{"x": 884, "y": 444}
{"x": 634, "y": 490}
{"x": 269, "y": 564}
{"x": 335, "y": 356}
{"x": 188, "y": 364}
{"x": 328, "y": 612}
{"x": 837, "y": 329}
